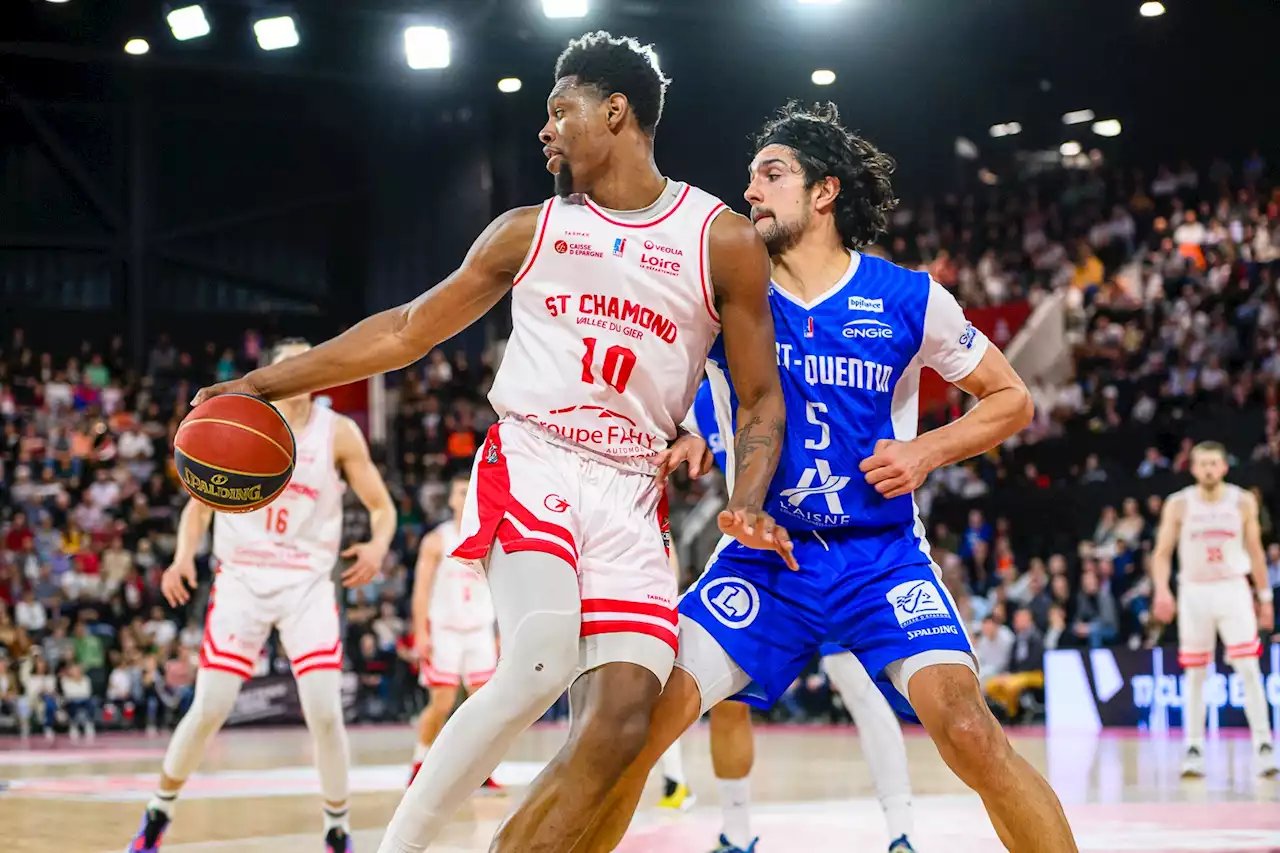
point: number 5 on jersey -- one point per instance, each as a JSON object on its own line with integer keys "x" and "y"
{"x": 616, "y": 368}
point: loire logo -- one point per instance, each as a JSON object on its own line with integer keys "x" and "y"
{"x": 733, "y": 601}
{"x": 867, "y": 328}
{"x": 555, "y": 503}
{"x": 861, "y": 303}
{"x": 916, "y": 600}
{"x": 829, "y": 487}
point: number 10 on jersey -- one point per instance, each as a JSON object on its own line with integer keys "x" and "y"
{"x": 615, "y": 368}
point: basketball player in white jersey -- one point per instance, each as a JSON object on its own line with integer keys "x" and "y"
{"x": 453, "y": 624}
{"x": 274, "y": 568}
{"x": 619, "y": 285}
{"x": 1214, "y": 527}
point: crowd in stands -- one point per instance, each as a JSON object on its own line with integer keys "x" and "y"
{"x": 1170, "y": 287}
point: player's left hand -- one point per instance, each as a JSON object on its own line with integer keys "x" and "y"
{"x": 896, "y": 468}
{"x": 368, "y": 561}
{"x": 1266, "y": 616}
{"x": 755, "y": 528}
{"x": 689, "y": 449}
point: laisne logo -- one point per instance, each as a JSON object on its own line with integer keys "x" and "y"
{"x": 861, "y": 303}
{"x": 916, "y": 600}
{"x": 829, "y": 487}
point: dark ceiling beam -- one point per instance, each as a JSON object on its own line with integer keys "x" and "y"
{"x": 223, "y": 223}
{"x": 58, "y": 241}
{"x": 268, "y": 286}
{"x": 65, "y": 160}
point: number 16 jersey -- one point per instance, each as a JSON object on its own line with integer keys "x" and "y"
{"x": 613, "y": 314}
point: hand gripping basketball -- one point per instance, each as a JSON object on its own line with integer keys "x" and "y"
{"x": 235, "y": 386}
{"x": 755, "y": 528}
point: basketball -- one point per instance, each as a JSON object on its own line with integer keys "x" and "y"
{"x": 234, "y": 452}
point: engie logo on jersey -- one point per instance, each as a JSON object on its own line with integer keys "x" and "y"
{"x": 734, "y": 602}
{"x": 867, "y": 328}
{"x": 861, "y": 303}
{"x": 915, "y": 601}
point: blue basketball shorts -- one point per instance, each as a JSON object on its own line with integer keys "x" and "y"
{"x": 873, "y": 593}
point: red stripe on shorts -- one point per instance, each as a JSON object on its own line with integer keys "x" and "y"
{"x": 643, "y": 608}
{"x": 620, "y": 626}
{"x": 1245, "y": 650}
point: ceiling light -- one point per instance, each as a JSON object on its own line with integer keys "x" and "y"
{"x": 136, "y": 47}
{"x": 1151, "y": 9}
{"x": 1077, "y": 117}
{"x": 1107, "y": 127}
{"x": 508, "y": 85}
{"x": 189, "y": 22}
{"x": 276, "y": 33}
{"x": 1011, "y": 128}
{"x": 565, "y": 8}
{"x": 427, "y": 47}
{"x": 1069, "y": 149}
{"x": 823, "y": 77}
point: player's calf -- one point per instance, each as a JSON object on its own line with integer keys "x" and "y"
{"x": 1023, "y": 808}
{"x": 612, "y": 705}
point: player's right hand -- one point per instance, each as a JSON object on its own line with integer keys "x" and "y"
{"x": 1163, "y": 607}
{"x": 422, "y": 645}
{"x": 689, "y": 449}
{"x": 755, "y": 528}
{"x": 236, "y": 386}
{"x": 177, "y": 581}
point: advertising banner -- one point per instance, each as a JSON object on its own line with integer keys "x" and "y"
{"x": 273, "y": 699}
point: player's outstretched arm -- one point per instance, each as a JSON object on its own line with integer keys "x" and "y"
{"x": 399, "y": 336}
{"x": 740, "y": 271}
{"x": 1162, "y": 606}
{"x": 1258, "y": 562}
{"x": 351, "y": 453}
{"x": 424, "y": 580}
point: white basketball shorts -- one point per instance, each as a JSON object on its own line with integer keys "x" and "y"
{"x": 1217, "y": 608}
{"x": 607, "y": 524}
{"x": 239, "y": 621}
{"x": 460, "y": 657}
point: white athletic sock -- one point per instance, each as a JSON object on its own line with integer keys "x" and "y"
{"x": 881, "y": 738}
{"x": 1256, "y": 710}
{"x": 735, "y": 804}
{"x": 215, "y": 696}
{"x": 339, "y": 817}
{"x": 163, "y": 801}
{"x": 673, "y": 764}
{"x": 320, "y": 693}
{"x": 1193, "y": 710}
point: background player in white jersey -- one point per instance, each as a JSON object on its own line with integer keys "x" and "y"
{"x": 274, "y": 570}
{"x": 619, "y": 286}
{"x": 1214, "y": 527}
{"x": 453, "y": 624}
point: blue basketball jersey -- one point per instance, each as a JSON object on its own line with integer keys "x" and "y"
{"x": 850, "y": 364}
{"x": 704, "y": 416}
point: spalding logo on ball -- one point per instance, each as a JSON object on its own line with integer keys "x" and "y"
{"x": 234, "y": 452}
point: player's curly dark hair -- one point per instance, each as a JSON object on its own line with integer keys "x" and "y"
{"x": 824, "y": 148}
{"x": 618, "y": 65}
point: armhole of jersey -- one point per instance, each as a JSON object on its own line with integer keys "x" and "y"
{"x": 704, "y": 262}
{"x": 536, "y": 246}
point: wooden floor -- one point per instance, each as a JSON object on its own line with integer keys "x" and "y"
{"x": 256, "y": 792}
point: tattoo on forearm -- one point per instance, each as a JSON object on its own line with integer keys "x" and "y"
{"x": 757, "y": 445}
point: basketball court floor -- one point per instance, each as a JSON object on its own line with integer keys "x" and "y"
{"x": 257, "y": 793}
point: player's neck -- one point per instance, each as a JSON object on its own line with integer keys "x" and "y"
{"x": 811, "y": 267}
{"x": 296, "y": 412}
{"x": 633, "y": 184}
{"x": 1210, "y": 494}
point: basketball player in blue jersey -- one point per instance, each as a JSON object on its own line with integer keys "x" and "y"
{"x": 732, "y": 746}
{"x": 853, "y": 332}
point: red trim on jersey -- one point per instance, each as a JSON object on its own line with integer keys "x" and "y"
{"x": 478, "y": 679}
{"x": 1186, "y": 659}
{"x": 1246, "y": 650}
{"x": 598, "y": 212}
{"x": 619, "y": 626}
{"x": 707, "y": 298}
{"x": 335, "y": 649}
{"x": 213, "y": 647}
{"x": 531, "y": 521}
{"x": 316, "y": 667}
{"x": 513, "y": 542}
{"x": 537, "y": 246}
{"x": 220, "y": 668}
{"x": 493, "y": 493}
{"x": 643, "y": 608}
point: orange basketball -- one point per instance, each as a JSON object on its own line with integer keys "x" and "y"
{"x": 234, "y": 452}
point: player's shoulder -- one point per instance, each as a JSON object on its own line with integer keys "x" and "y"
{"x": 507, "y": 241}
{"x": 1244, "y": 497}
{"x": 1177, "y": 501}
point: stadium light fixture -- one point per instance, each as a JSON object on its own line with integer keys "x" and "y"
{"x": 1151, "y": 9}
{"x": 818, "y": 2}
{"x": 276, "y": 33}
{"x": 1077, "y": 117}
{"x": 1011, "y": 128}
{"x": 823, "y": 77}
{"x": 1069, "y": 149}
{"x": 510, "y": 85}
{"x": 137, "y": 47}
{"x": 566, "y": 8}
{"x": 427, "y": 47}
{"x": 59, "y": 1}
{"x": 187, "y": 23}
{"x": 965, "y": 148}
{"x": 1107, "y": 127}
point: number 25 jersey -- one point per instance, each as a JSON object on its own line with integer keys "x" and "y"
{"x": 612, "y": 315}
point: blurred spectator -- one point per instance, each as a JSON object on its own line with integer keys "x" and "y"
{"x": 1025, "y": 668}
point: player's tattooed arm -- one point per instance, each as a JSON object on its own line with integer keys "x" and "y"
{"x": 399, "y": 336}
{"x": 740, "y": 272}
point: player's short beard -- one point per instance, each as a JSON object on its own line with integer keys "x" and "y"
{"x": 781, "y": 236}
{"x": 564, "y": 179}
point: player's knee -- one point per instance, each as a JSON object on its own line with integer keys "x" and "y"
{"x": 971, "y": 737}
{"x": 209, "y": 710}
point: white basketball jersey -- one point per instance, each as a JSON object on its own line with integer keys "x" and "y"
{"x": 1211, "y": 544}
{"x": 612, "y": 322}
{"x": 298, "y": 533}
{"x": 460, "y": 599}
